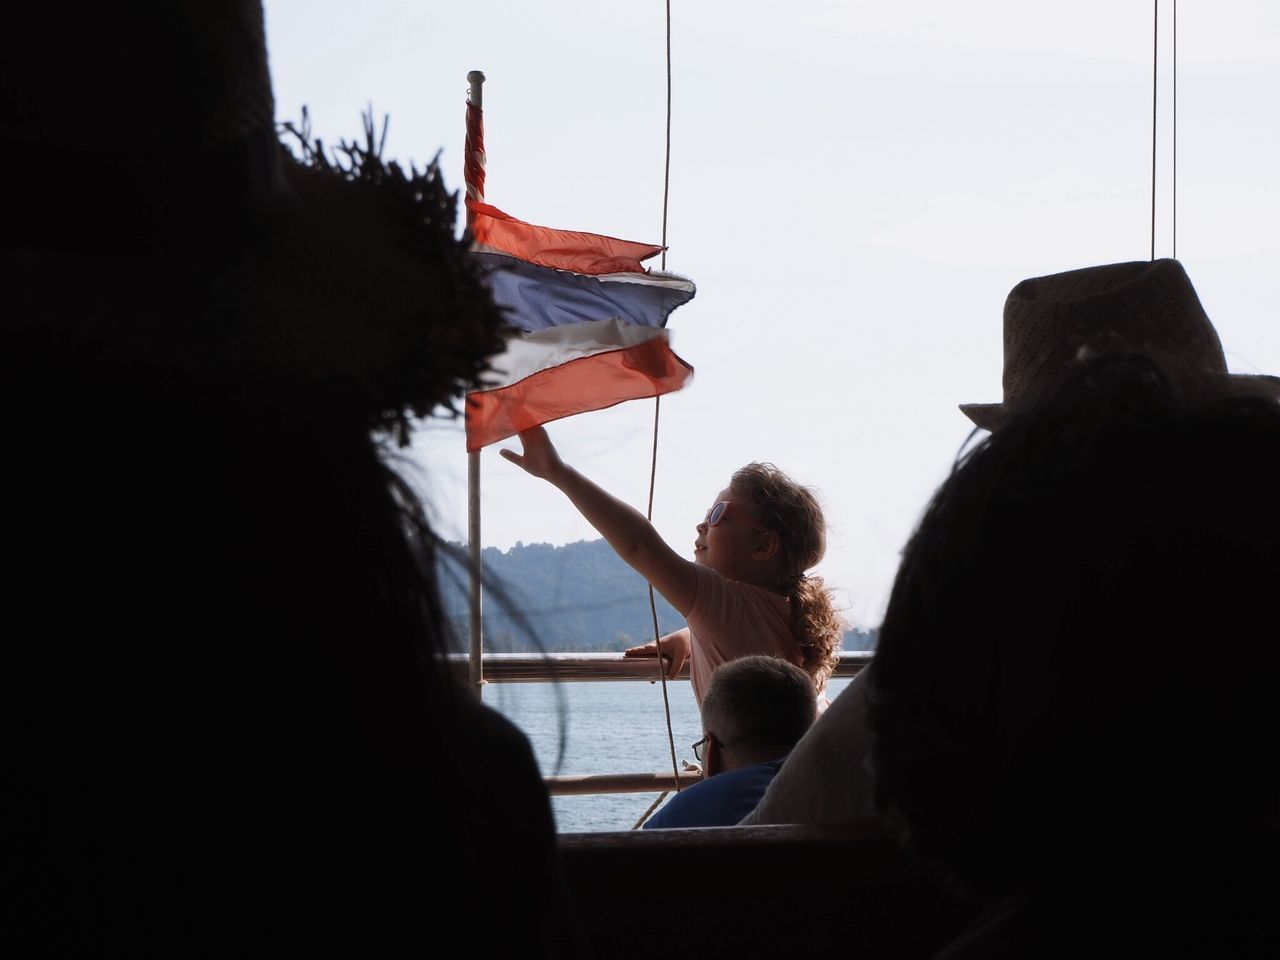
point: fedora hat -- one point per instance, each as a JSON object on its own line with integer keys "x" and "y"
{"x": 157, "y": 217}
{"x": 1143, "y": 306}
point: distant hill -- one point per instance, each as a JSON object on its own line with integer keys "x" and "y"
{"x": 577, "y": 597}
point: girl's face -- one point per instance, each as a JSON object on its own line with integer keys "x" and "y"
{"x": 727, "y": 546}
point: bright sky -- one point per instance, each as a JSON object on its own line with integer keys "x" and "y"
{"x": 854, "y": 188}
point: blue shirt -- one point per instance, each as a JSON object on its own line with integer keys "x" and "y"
{"x": 719, "y": 801}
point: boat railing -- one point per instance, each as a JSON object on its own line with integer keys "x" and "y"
{"x": 574, "y": 667}
{"x": 580, "y": 667}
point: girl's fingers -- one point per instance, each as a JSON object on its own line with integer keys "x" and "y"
{"x": 536, "y": 436}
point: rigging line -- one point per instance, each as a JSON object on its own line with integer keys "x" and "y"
{"x": 652, "y": 807}
{"x": 666, "y": 166}
{"x": 1155, "y": 58}
{"x": 653, "y": 609}
{"x": 653, "y": 465}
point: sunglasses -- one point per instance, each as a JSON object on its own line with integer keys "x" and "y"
{"x": 721, "y": 509}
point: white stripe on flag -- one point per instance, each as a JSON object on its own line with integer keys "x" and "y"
{"x": 529, "y": 353}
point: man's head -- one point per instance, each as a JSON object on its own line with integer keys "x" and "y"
{"x": 755, "y": 710}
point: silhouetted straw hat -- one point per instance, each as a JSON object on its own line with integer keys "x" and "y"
{"x": 154, "y": 219}
{"x": 1142, "y": 306}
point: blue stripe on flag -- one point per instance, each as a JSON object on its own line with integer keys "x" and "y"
{"x": 539, "y": 297}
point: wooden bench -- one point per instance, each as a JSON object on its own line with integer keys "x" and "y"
{"x": 774, "y": 891}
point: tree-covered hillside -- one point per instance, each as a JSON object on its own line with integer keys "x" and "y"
{"x": 577, "y": 597}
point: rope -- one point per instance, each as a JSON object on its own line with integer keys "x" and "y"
{"x": 653, "y": 465}
{"x": 1155, "y": 62}
{"x": 653, "y": 607}
{"x": 1155, "y": 58}
{"x": 666, "y": 167}
{"x": 652, "y": 807}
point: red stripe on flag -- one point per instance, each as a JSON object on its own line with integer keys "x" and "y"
{"x": 588, "y": 383}
{"x": 473, "y": 158}
{"x": 573, "y": 250}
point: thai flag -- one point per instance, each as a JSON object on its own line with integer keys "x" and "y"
{"x": 589, "y": 321}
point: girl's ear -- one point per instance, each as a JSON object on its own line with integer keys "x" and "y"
{"x": 768, "y": 545}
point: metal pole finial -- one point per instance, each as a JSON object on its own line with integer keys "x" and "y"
{"x": 476, "y": 93}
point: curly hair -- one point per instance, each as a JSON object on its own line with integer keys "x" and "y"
{"x": 793, "y": 512}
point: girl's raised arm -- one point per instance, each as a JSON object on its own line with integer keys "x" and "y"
{"x": 632, "y": 537}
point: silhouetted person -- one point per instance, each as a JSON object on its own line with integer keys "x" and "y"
{"x": 1073, "y": 700}
{"x": 755, "y": 710}
{"x": 228, "y": 727}
{"x": 1051, "y": 325}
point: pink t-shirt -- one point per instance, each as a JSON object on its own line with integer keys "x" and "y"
{"x": 730, "y": 619}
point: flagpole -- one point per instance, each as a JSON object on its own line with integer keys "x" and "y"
{"x": 475, "y": 96}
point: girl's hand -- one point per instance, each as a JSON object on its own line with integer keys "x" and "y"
{"x": 632, "y": 536}
{"x": 539, "y": 455}
{"x": 675, "y": 651}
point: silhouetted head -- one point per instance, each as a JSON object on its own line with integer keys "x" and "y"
{"x": 222, "y": 676}
{"x": 1076, "y": 672}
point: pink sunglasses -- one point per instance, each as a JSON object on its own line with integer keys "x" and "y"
{"x": 718, "y": 511}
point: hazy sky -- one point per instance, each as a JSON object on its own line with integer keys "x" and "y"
{"x": 855, "y": 187}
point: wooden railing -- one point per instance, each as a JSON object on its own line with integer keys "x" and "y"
{"x": 578, "y": 667}
{"x": 570, "y": 667}
{"x": 573, "y": 786}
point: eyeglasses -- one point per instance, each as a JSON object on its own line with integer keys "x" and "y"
{"x": 699, "y": 747}
{"x": 719, "y": 510}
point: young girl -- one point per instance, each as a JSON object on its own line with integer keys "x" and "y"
{"x": 745, "y": 591}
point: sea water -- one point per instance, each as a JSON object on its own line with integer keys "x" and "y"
{"x": 616, "y": 726}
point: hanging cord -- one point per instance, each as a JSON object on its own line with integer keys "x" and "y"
{"x": 653, "y": 610}
{"x": 653, "y": 466}
{"x": 666, "y": 166}
{"x": 652, "y": 807}
{"x": 1155, "y": 59}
